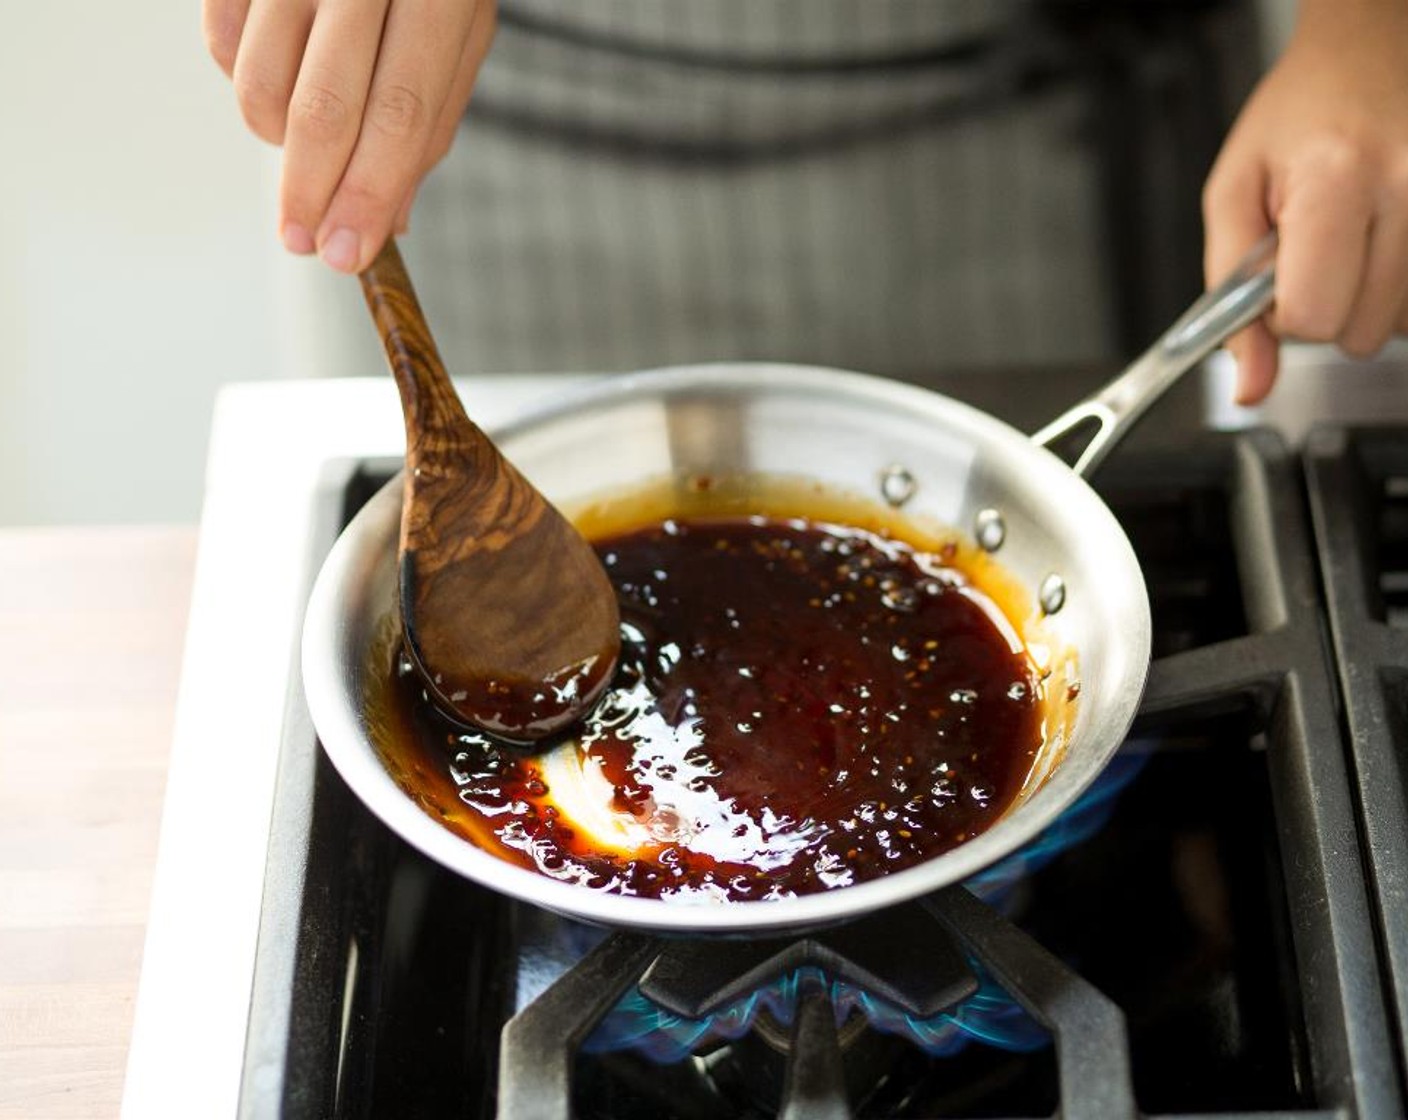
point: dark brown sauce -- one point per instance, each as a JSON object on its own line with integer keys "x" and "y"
{"x": 800, "y": 706}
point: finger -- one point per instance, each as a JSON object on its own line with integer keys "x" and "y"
{"x": 222, "y": 21}
{"x": 1384, "y": 289}
{"x": 402, "y": 224}
{"x": 1235, "y": 216}
{"x": 481, "y": 33}
{"x": 1257, "y": 353}
{"x": 1324, "y": 231}
{"x": 325, "y": 113}
{"x": 420, "y": 52}
{"x": 266, "y": 66}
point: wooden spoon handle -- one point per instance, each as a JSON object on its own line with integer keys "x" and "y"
{"x": 432, "y": 407}
{"x": 462, "y": 495}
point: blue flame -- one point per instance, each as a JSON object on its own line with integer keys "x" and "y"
{"x": 990, "y": 1015}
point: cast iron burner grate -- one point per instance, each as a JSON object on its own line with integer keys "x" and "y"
{"x": 1209, "y": 952}
{"x": 697, "y": 977}
{"x": 1358, "y": 481}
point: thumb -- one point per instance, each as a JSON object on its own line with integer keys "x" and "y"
{"x": 1234, "y": 219}
{"x": 1257, "y": 353}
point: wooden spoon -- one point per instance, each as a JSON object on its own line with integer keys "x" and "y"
{"x": 505, "y": 608}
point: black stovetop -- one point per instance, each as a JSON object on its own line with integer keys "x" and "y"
{"x": 1207, "y": 934}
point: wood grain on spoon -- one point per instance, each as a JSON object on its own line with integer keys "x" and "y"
{"x": 505, "y": 608}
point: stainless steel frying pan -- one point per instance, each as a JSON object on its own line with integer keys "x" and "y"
{"x": 950, "y": 463}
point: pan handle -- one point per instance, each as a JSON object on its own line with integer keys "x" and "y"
{"x": 1217, "y": 314}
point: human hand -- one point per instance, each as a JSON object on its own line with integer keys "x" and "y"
{"x": 363, "y": 95}
{"x": 1320, "y": 151}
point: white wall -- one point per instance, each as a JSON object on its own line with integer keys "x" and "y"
{"x": 137, "y": 259}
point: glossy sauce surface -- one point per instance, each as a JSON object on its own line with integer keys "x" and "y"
{"x": 801, "y": 705}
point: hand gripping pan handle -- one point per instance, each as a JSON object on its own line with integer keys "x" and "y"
{"x": 1218, "y": 314}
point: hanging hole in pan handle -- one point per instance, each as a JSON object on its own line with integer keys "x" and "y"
{"x": 1217, "y": 315}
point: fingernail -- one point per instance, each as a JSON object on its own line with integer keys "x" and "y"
{"x": 1239, "y": 375}
{"x": 342, "y": 250}
{"x": 1244, "y": 394}
{"x": 297, "y": 239}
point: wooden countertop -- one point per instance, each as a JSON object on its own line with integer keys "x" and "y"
{"x": 91, "y": 631}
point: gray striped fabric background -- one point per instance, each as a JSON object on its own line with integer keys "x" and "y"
{"x": 848, "y": 182}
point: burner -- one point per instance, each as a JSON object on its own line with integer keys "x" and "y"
{"x": 894, "y": 957}
{"x": 693, "y": 978}
{"x": 924, "y": 990}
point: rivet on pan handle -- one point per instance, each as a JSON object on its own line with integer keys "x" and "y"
{"x": 1218, "y": 314}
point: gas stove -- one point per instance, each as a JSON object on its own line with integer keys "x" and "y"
{"x": 1217, "y": 928}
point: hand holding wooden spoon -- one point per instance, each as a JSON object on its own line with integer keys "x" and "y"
{"x": 505, "y": 608}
